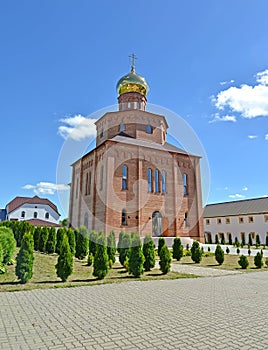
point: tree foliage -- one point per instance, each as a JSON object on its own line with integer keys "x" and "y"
{"x": 64, "y": 266}
{"x": 148, "y": 252}
{"x": 125, "y": 248}
{"x": 60, "y": 234}
{"x": 25, "y": 259}
{"x": 100, "y": 264}
{"x": 165, "y": 259}
{"x": 161, "y": 243}
{"x": 8, "y": 244}
{"x": 258, "y": 260}
{"x": 243, "y": 262}
{"x": 71, "y": 239}
{"x": 177, "y": 249}
{"x": 250, "y": 240}
{"x": 93, "y": 238}
{"x": 196, "y": 252}
{"x": 111, "y": 246}
{"x": 82, "y": 243}
{"x": 43, "y": 239}
{"x": 51, "y": 240}
{"x": 219, "y": 255}
{"x": 136, "y": 257}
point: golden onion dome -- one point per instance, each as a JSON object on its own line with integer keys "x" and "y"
{"x": 132, "y": 82}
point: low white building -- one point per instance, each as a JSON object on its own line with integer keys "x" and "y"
{"x": 237, "y": 219}
{"x": 38, "y": 211}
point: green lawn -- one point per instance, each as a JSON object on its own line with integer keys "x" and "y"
{"x": 44, "y": 275}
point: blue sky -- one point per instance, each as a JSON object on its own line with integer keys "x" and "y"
{"x": 205, "y": 60}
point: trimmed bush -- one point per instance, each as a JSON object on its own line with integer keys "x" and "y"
{"x": 243, "y": 262}
{"x": 266, "y": 241}
{"x": 227, "y": 250}
{"x": 222, "y": 240}
{"x": 249, "y": 252}
{"x": 148, "y": 252}
{"x": 238, "y": 251}
{"x": 100, "y": 265}
{"x": 125, "y": 248}
{"x": 258, "y": 260}
{"x": 258, "y": 241}
{"x": 111, "y": 246}
{"x": 136, "y": 257}
{"x": 93, "y": 237}
{"x": 64, "y": 266}
{"x": 36, "y": 237}
{"x": 2, "y": 267}
{"x": 82, "y": 243}
{"x": 177, "y": 249}
{"x": 165, "y": 259}
{"x": 217, "y": 239}
{"x": 236, "y": 243}
{"x": 71, "y": 239}
{"x": 60, "y": 234}
{"x": 25, "y": 259}
{"x": 230, "y": 240}
{"x": 8, "y": 244}
{"x": 161, "y": 243}
{"x": 243, "y": 241}
{"x": 250, "y": 240}
{"x": 43, "y": 239}
{"x": 90, "y": 259}
{"x": 196, "y": 252}
{"x": 219, "y": 255}
{"x": 51, "y": 241}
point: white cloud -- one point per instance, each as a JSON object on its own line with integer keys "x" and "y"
{"x": 249, "y": 101}
{"x": 266, "y": 137}
{"x": 252, "y": 137}
{"x": 46, "y": 188}
{"x": 227, "y": 82}
{"x": 245, "y": 188}
{"x": 226, "y": 118}
{"x": 77, "y": 127}
{"x": 237, "y": 195}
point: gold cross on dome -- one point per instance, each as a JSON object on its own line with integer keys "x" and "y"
{"x": 133, "y": 57}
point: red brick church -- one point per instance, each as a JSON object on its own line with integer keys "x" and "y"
{"x": 134, "y": 180}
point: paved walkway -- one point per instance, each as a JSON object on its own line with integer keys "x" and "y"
{"x": 201, "y": 271}
{"x": 228, "y": 312}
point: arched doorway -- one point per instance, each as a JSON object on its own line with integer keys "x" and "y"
{"x": 157, "y": 224}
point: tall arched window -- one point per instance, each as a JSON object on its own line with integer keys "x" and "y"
{"x": 124, "y": 177}
{"x": 163, "y": 181}
{"x": 35, "y": 214}
{"x": 185, "y": 185}
{"x": 156, "y": 179}
{"x": 150, "y": 187}
{"x": 23, "y": 214}
{"x": 124, "y": 218}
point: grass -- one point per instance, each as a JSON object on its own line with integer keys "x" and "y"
{"x": 230, "y": 263}
{"x": 44, "y": 275}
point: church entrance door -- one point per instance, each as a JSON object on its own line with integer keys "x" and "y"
{"x": 157, "y": 224}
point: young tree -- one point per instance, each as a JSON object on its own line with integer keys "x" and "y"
{"x": 111, "y": 247}
{"x": 2, "y": 267}
{"x": 36, "y": 237}
{"x": 82, "y": 243}
{"x": 243, "y": 241}
{"x": 161, "y": 243}
{"x": 250, "y": 240}
{"x": 249, "y": 251}
{"x": 258, "y": 260}
{"x": 165, "y": 259}
{"x": 177, "y": 249}
{"x": 230, "y": 239}
{"x": 51, "y": 240}
{"x": 227, "y": 250}
{"x": 93, "y": 238}
{"x": 8, "y": 244}
{"x": 25, "y": 258}
{"x": 125, "y": 248}
{"x": 196, "y": 252}
{"x": 217, "y": 239}
{"x": 222, "y": 240}
{"x": 119, "y": 244}
{"x": 238, "y": 251}
{"x": 266, "y": 241}
{"x": 243, "y": 262}
{"x": 148, "y": 252}
{"x": 236, "y": 243}
{"x": 100, "y": 264}
{"x": 90, "y": 259}
{"x": 64, "y": 266}
{"x": 71, "y": 239}
{"x": 60, "y": 233}
{"x": 219, "y": 254}
{"x": 43, "y": 239}
{"x": 258, "y": 241}
{"x": 136, "y": 257}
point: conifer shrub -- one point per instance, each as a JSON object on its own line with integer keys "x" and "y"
{"x": 217, "y": 239}
{"x": 36, "y": 237}
{"x": 100, "y": 264}
{"x": 51, "y": 240}
{"x": 187, "y": 246}
{"x": 238, "y": 251}
{"x": 236, "y": 243}
{"x": 249, "y": 251}
{"x": 8, "y": 244}
{"x": 243, "y": 241}
{"x": 258, "y": 260}
{"x": 250, "y": 240}
{"x": 230, "y": 240}
{"x": 25, "y": 259}
{"x": 258, "y": 241}
{"x": 219, "y": 255}
{"x": 2, "y": 266}
{"x": 165, "y": 259}
{"x": 111, "y": 247}
{"x": 148, "y": 252}
{"x": 243, "y": 262}
{"x": 125, "y": 248}
{"x": 161, "y": 243}
{"x": 120, "y": 239}
{"x": 266, "y": 240}
{"x": 209, "y": 249}
{"x": 64, "y": 266}
{"x": 266, "y": 262}
{"x": 82, "y": 243}
{"x": 71, "y": 239}
{"x": 136, "y": 258}
{"x": 222, "y": 240}
{"x": 93, "y": 237}
{"x": 227, "y": 250}
{"x": 43, "y": 239}
{"x": 90, "y": 259}
{"x": 177, "y": 249}
{"x": 60, "y": 234}
{"x": 196, "y": 252}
